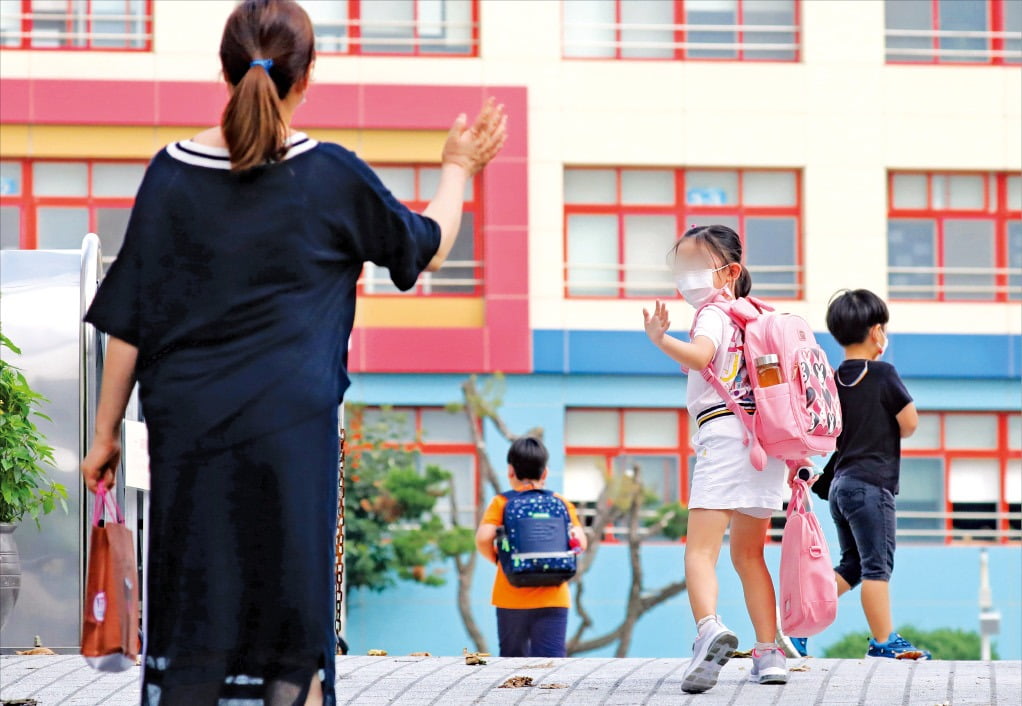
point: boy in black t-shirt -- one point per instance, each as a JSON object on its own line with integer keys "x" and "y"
{"x": 878, "y": 413}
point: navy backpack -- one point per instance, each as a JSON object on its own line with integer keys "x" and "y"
{"x": 532, "y": 546}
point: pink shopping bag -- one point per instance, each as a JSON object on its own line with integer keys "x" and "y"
{"x": 808, "y": 592}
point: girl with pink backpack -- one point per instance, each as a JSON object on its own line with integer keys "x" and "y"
{"x": 731, "y": 487}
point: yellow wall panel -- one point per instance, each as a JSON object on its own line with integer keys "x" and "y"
{"x": 424, "y": 312}
{"x": 13, "y": 140}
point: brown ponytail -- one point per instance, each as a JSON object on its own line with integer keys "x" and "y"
{"x": 278, "y": 31}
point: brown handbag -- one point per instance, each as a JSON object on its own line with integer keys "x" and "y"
{"x": 110, "y": 628}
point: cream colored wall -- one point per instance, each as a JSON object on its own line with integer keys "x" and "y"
{"x": 841, "y": 115}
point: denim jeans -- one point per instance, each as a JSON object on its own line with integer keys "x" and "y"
{"x": 532, "y": 632}
{"x": 864, "y": 516}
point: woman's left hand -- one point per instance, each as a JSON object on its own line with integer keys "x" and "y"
{"x": 100, "y": 464}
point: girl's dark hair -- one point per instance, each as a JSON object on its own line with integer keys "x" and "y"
{"x": 726, "y": 245}
{"x": 279, "y": 30}
{"x": 852, "y": 313}
{"x": 528, "y": 457}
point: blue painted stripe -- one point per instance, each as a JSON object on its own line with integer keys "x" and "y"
{"x": 957, "y": 356}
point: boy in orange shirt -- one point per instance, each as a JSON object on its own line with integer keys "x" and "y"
{"x": 531, "y": 621}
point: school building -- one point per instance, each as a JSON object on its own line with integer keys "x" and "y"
{"x": 853, "y": 144}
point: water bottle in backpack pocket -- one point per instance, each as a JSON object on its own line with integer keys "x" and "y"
{"x": 533, "y": 544}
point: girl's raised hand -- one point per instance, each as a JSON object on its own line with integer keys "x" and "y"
{"x": 657, "y": 323}
{"x": 472, "y": 147}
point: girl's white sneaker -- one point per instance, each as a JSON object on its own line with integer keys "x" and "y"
{"x": 769, "y": 666}
{"x": 712, "y": 649}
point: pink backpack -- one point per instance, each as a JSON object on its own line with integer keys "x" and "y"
{"x": 808, "y": 597}
{"x": 799, "y": 417}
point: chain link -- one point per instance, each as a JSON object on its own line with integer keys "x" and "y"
{"x": 339, "y": 549}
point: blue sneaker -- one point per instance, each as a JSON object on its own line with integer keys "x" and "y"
{"x": 896, "y": 647}
{"x": 801, "y": 645}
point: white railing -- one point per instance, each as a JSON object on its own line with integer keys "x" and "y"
{"x": 575, "y": 283}
{"x": 375, "y": 280}
{"x": 11, "y": 28}
{"x": 708, "y": 44}
{"x": 939, "y": 52}
{"x": 935, "y": 288}
{"x": 427, "y": 27}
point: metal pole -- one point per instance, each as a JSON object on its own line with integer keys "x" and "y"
{"x": 989, "y": 619}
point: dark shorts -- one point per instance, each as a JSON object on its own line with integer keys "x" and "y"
{"x": 864, "y": 516}
{"x": 532, "y": 632}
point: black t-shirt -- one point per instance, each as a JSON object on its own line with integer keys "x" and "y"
{"x": 869, "y": 448}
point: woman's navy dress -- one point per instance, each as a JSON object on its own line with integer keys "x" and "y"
{"x": 239, "y": 292}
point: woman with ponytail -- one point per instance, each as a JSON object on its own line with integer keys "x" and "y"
{"x": 231, "y": 303}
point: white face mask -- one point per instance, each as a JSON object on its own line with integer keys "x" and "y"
{"x": 885, "y": 347}
{"x": 697, "y": 286}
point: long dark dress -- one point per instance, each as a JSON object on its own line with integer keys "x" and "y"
{"x": 239, "y": 292}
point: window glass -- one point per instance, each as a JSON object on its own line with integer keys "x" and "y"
{"x": 961, "y": 18}
{"x": 927, "y": 434}
{"x": 908, "y": 15}
{"x": 10, "y": 178}
{"x": 771, "y": 254}
{"x": 61, "y": 228}
{"x": 384, "y": 22}
{"x": 439, "y": 425}
{"x": 400, "y": 181}
{"x": 60, "y": 179}
{"x": 1014, "y": 193}
{"x": 971, "y": 431}
{"x": 658, "y": 473}
{"x": 921, "y": 489}
{"x": 396, "y": 424}
{"x": 969, "y": 243}
{"x": 974, "y": 480}
{"x": 769, "y": 189}
{"x": 330, "y": 21}
{"x": 10, "y": 228}
{"x": 909, "y": 191}
{"x": 647, "y": 241}
{"x": 584, "y": 477}
{"x": 1012, "y": 13}
{"x": 966, "y": 191}
{"x": 650, "y": 430}
{"x": 111, "y": 225}
{"x": 1015, "y": 259}
{"x": 117, "y": 179}
{"x": 773, "y": 13}
{"x": 654, "y": 43}
{"x": 590, "y": 186}
{"x": 1013, "y": 482}
{"x": 429, "y": 181}
{"x": 589, "y": 28}
{"x": 10, "y": 23}
{"x": 711, "y": 12}
{"x": 458, "y": 274}
{"x": 705, "y": 188}
{"x": 592, "y": 255}
{"x": 911, "y": 244}
{"x": 463, "y": 479}
{"x": 650, "y": 187}
{"x": 592, "y": 428}
{"x": 445, "y": 26}
{"x": 1015, "y": 431}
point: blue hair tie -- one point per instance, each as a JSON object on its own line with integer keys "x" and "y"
{"x": 267, "y": 64}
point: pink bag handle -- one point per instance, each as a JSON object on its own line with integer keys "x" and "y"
{"x": 105, "y": 501}
{"x": 801, "y": 503}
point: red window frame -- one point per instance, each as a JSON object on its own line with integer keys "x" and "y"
{"x": 685, "y": 214}
{"x": 355, "y": 47}
{"x": 418, "y": 204}
{"x": 995, "y": 42}
{"x": 1003, "y": 454}
{"x": 683, "y": 450}
{"x": 995, "y": 208}
{"x": 419, "y": 444}
{"x": 29, "y": 203}
{"x": 26, "y": 30}
{"x": 679, "y": 53}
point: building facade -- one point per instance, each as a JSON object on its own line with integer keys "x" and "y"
{"x": 869, "y": 144}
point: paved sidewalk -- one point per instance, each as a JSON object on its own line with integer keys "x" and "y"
{"x": 418, "y": 681}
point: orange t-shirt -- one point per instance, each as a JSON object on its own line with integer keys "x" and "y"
{"x": 507, "y": 596}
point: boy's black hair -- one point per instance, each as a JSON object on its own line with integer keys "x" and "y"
{"x": 528, "y": 457}
{"x": 852, "y": 313}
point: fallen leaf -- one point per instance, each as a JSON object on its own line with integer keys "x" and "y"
{"x": 377, "y": 653}
{"x": 474, "y": 658}
{"x": 37, "y": 651}
{"x": 741, "y": 654}
{"x": 20, "y": 702}
{"x": 799, "y": 668}
{"x": 553, "y": 685}
{"x": 545, "y": 665}
{"x": 420, "y": 654}
{"x": 516, "y": 683}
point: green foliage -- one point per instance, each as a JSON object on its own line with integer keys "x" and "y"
{"x": 944, "y": 643}
{"x": 24, "y": 488}
{"x": 674, "y": 517}
{"x": 392, "y": 529}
